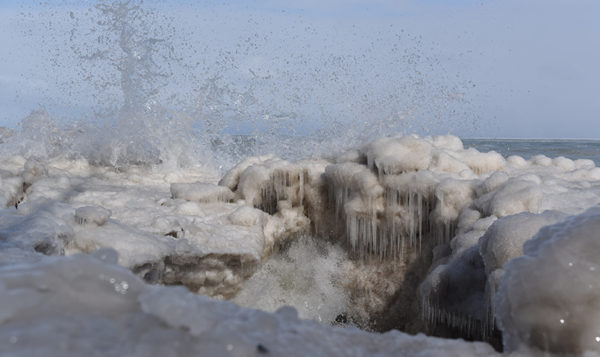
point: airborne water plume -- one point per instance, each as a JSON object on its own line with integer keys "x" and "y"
{"x": 158, "y": 81}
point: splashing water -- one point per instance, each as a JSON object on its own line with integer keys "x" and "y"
{"x": 167, "y": 85}
{"x": 138, "y": 49}
{"x": 308, "y": 275}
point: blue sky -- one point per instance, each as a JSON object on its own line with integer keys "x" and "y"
{"x": 517, "y": 68}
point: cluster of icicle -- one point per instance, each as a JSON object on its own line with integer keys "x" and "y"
{"x": 403, "y": 197}
{"x": 390, "y": 195}
{"x": 395, "y": 192}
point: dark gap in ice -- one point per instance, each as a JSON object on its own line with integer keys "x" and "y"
{"x": 175, "y": 233}
{"x": 391, "y": 247}
{"x": 46, "y": 248}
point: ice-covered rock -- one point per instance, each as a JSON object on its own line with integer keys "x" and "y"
{"x": 504, "y": 240}
{"x": 549, "y": 299}
{"x": 398, "y": 154}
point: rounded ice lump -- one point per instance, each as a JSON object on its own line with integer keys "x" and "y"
{"x": 92, "y": 215}
{"x": 549, "y": 298}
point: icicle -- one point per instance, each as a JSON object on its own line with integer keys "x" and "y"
{"x": 420, "y": 218}
{"x": 301, "y": 187}
{"x": 373, "y": 220}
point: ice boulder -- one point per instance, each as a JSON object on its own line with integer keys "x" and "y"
{"x": 549, "y": 299}
{"x": 504, "y": 240}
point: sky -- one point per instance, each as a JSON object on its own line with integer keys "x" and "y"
{"x": 499, "y": 69}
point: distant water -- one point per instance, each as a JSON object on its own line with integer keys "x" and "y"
{"x": 246, "y": 145}
{"x": 526, "y": 148}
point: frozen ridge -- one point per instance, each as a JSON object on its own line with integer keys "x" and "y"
{"x": 84, "y": 305}
{"x": 407, "y": 201}
{"x": 428, "y": 227}
{"x": 167, "y": 232}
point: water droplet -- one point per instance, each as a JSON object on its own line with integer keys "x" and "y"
{"x": 562, "y": 321}
{"x": 597, "y": 338}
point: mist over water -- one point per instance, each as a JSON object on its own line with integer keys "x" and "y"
{"x": 150, "y": 83}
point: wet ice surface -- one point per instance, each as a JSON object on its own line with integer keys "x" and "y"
{"x": 405, "y": 232}
{"x": 549, "y": 298}
{"x": 83, "y": 306}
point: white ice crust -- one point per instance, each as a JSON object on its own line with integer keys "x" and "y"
{"x": 83, "y": 306}
{"x": 392, "y": 200}
{"x": 550, "y": 297}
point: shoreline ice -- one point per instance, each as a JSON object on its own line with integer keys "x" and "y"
{"x": 417, "y": 232}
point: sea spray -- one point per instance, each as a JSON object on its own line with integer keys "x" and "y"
{"x": 308, "y": 274}
{"x": 129, "y": 57}
{"x": 136, "y": 44}
{"x": 165, "y": 86}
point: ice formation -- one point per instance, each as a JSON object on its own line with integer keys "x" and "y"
{"x": 98, "y": 218}
{"x": 428, "y": 205}
{"x": 405, "y": 233}
{"x": 81, "y": 305}
{"x": 64, "y": 209}
{"x": 549, "y": 298}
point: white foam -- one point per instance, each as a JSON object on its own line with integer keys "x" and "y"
{"x": 308, "y": 275}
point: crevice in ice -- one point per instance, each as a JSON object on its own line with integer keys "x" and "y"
{"x": 176, "y": 233}
{"x": 389, "y": 223}
{"x": 384, "y": 294}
